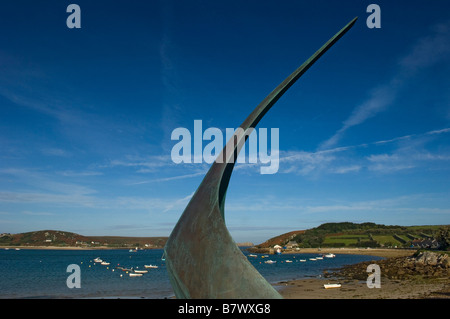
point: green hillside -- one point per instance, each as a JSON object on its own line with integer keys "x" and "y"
{"x": 57, "y": 238}
{"x": 373, "y": 235}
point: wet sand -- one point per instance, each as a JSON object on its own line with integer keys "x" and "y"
{"x": 412, "y": 288}
{"x": 380, "y": 252}
{"x": 354, "y": 289}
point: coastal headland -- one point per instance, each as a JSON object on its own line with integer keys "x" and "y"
{"x": 57, "y": 239}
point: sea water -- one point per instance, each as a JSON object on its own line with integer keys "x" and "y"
{"x": 43, "y": 273}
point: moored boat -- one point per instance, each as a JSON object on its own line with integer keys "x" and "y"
{"x": 141, "y": 271}
{"x": 134, "y": 274}
{"x": 329, "y": 286}
{"x": 150, "y": 266}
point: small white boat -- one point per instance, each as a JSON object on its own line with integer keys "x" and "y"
{"x": 150, "y": 266}
{"x": 270, "y": 262}
{"x": 329, "y": 255}
{"x": 302, "y": 260}
{"x": 134, "y": 275}
{"x": 98, "y": 260}
{"x": 251, "y": 255}
{"x": 104, "y": 263}
{"x": 313, "y": 259}
{"x": 329, "y": 286}
{"x": 319, "y": 258}
{"x": 141, "y": 271}
{"x": 288, "y": 261}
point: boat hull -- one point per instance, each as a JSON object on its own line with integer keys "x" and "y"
{"x": 331, "y": 286}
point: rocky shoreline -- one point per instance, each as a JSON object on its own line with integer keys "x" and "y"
{"x": 424, "y": 265}
{"x": 424, "y": 275}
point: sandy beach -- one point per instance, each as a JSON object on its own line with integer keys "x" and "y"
{"x": 380, "y": 252}
{"x": 354, "y": 289}
{"x": 415, "y": 287}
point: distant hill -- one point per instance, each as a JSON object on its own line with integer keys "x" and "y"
{"x": 334, "y": 235}
{"x": 281, "y": 240}
{"x": 348, "y": 234}
{"x": 57, "y": 238}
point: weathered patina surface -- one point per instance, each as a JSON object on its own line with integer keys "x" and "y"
{"x": 202, "y": 259}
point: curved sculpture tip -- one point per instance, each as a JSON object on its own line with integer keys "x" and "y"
{"x": 202, "y": 259}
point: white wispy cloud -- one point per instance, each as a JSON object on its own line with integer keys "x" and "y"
{"x": 39, "y": 99}
{"x": 51, "y": 151}
{"x": 143, "y": 164}
{"x": 388, "y": 163}
{"x": 410, "y": 203}
{"x": 179, "y": 204}
{"x": 44, "y": 181}
{"x": 305, "y": 163}
{"x": 410, "y": 151}
{"x": 404, "y": 158}
{"x": 33, "y": 213}
{"x": 170, "y": 178}
{"x": 380, "y": 98}
{"x": 31, "y": 187}
{"x": 327, "y": 209}
{"x": 347, "y": 169}
{"x": 71, "y": 173}
{"x": 426, "y": 52}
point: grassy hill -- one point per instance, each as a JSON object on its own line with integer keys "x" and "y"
{"x": 362, "y": 235}
{"x": 326, "y": 235}
{"x": 57, "y": 238}
{"x": 281, "y": 239}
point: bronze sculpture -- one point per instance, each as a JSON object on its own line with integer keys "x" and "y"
{"x": 202, "y": 259}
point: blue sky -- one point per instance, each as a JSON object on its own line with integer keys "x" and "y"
{"x": 86, "y": 114}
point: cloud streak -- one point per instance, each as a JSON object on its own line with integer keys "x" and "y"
{"x": 425, "y": 53}
{"x": 410, "y": 152}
